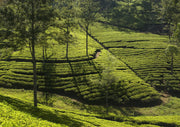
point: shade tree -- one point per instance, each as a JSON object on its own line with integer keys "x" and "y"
{"x": 67, "y": 12}
{"x": 109, "y": 85}
{"x": 171, "y": 51}
{"x": 177, "y": 34}
{"x": 87, "y": 15}
{"x": 23, "y": 23}
{"x": 170, "y": 14}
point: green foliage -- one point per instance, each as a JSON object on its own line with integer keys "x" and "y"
{"x": 89, "y": 10}
{"x": 172, "y": 49}
{"x": 136, "y": 15}
{"x": 177, "y": 34}
{"x": 27, "y": 21}
{"x": 17, "y": 22}
{"x": 88, "y": 15}
{"x": 170, "y": 14}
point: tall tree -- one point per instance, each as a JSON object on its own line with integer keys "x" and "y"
{"x": 177, "y": 34}
{"x": 108, "y": 81}
{"x": 23, "y": 21}
{"x": 171, "y": 14}
{"x": 136, "y": 15}
{"x": 88, "y": 15}
{"x": 68, "y": 14}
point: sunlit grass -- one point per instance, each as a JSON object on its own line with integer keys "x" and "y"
{"x": 17, "y": 110}
{"x": 144, "y": 53}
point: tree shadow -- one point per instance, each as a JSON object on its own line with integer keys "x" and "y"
{"x": 39, "y": 112}
{"x": 129, "y": 111}
{"x": 48, "y": 76}
{"x": 79, "y": 72}
{"x": 98, "y": 69}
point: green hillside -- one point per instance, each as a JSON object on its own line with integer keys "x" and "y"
{"x": 75, "y": 74}
{"x": 89, "y": 63}
{"x": 17, "y": 110}
{"x": 20, "y": 113}
{"x": 143, "y": 53}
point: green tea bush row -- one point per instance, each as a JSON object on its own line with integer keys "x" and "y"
{"x": 143, "y": 52}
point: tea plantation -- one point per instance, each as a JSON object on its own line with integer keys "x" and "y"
{"x": 140, "y": 66}
{"x": 144, "y": 54}
{"x": 73, "y": 75}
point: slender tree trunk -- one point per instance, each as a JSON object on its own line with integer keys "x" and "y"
{"x": 107, "y": 103}
{"x": 169, "y": 32}
{"x": 67, "y": 50}
{"x": 67, "y": 43}
{"x": 34, "y": 77}
{"x": 33, "y": 55}
{"x": 87, "y": 40}
{"x": 172, "y": 62}
{"x": 43, "y": 54}
{"x": 129, "y": 6}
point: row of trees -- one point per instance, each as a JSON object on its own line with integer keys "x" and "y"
{"x": 144, "y": 15}
{"x": 26, "y": 23}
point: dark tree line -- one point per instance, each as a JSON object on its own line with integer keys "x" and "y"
{"x": 143, "y": 15}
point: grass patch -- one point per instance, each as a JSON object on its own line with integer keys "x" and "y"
{"x": 17, "y": 110}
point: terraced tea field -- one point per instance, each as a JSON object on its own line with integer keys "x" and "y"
{"x": 143, "y": 53}
{"x": 137, "y": 56}
{"x": 74, "y": 76}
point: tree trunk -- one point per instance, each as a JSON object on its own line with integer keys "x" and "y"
{"x": 43, "y": 54}
{"x": 34, "y": 77}
{"x": 172, "y": 62}
{"x": 67, "y": 45}
{"x": 87, "y": 40}
{"x": 169, "y": 32}
{"x": 107, "y": 103}
{"x": 33, "y": 55}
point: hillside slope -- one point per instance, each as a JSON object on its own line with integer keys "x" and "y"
{"x": 19, "y": 113}
{"x": 59, "y": 75}
{"x": 143, "y": 53}
{"x": 17, "y": 110}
